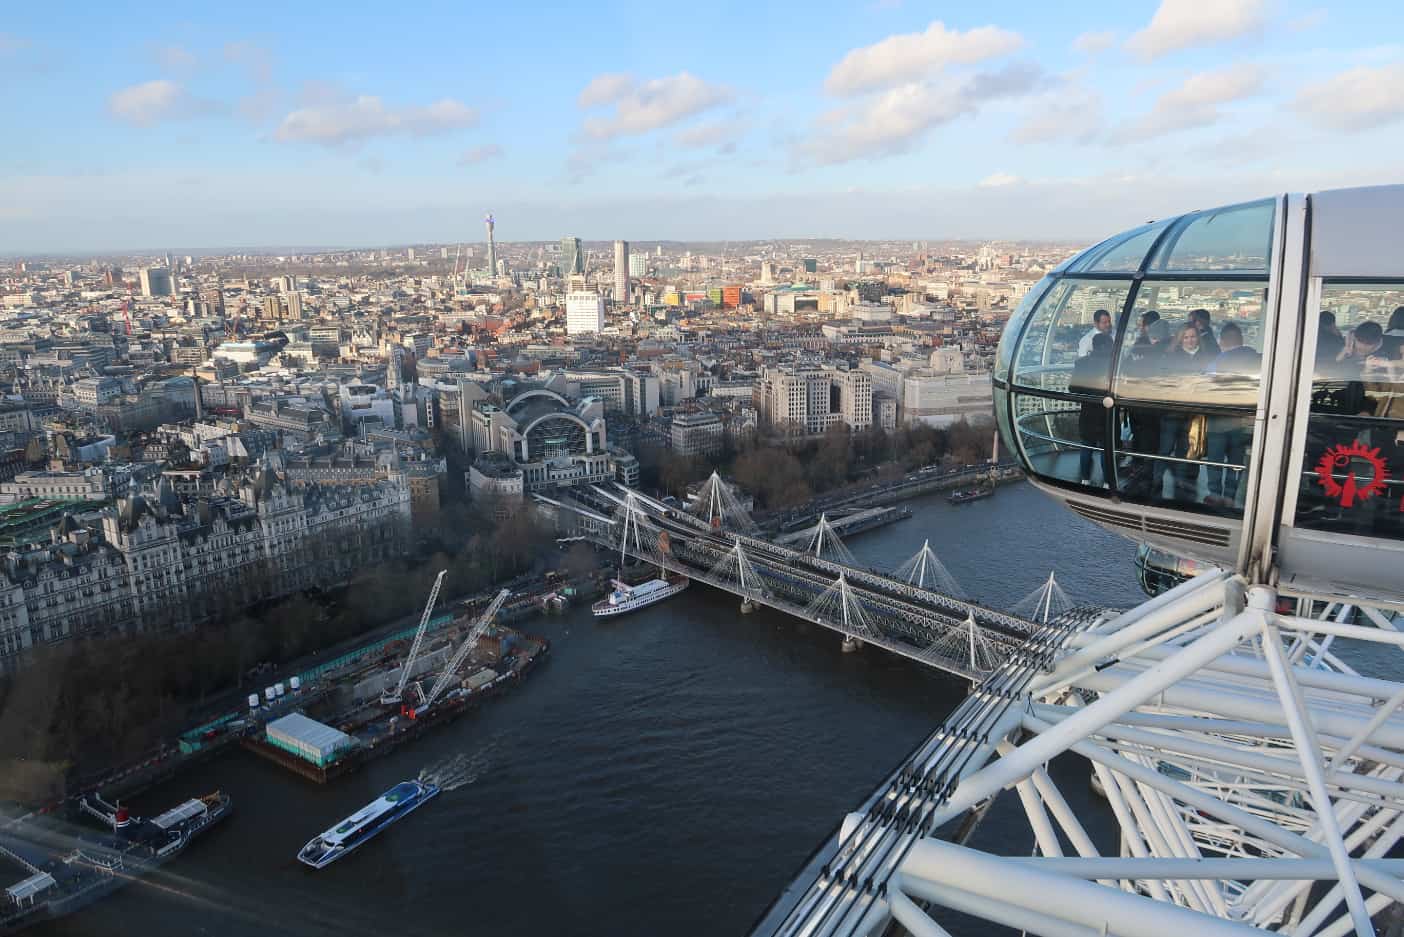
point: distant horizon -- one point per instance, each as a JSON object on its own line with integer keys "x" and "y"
{"x": 278, "y": 249}
{"x": 274, "y": 124}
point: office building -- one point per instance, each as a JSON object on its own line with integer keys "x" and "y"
{"x": 698, "y": 433}
{"x": 940, "y": 399}
{"x": 572, "y": 257}
{"x": 621, "y": 271}
{"x": 638, "y": 265}
{"x": 156, "y": 281}
{"x": 584, "y": 312}
{"x": 809, "y": 400}
{"x": 295, "y": 307}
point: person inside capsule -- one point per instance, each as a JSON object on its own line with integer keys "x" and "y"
{"x": 1353, "y": 465}
{"x": 1170, "y": 422}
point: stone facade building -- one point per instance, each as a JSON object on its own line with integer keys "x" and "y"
{"x": 159, "y": 560}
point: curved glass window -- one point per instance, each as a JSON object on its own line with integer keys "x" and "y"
{"x": 1062, "y": 439}
{"x": 1353, "y": 467}
{"x": 1187, "y": 385}
{"x": 1194, "y": 460}
{"x": 1015, "y": 325}
{"x": 1062, "y": 330}
{"x": 1194, "y": 342}
{"x": 1236, "y": 239}
{"x": 1123, "y": 253}
{"x": 1161, "y": 570}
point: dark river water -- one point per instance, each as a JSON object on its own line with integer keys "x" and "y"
{"x": 662, "y": 773}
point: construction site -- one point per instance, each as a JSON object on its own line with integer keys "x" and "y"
{"x": 364, "y": 705}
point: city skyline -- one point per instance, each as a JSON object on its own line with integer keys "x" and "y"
{"x": 880, "y": 121}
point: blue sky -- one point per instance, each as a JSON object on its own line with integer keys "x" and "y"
{"x": 279, "y": 124}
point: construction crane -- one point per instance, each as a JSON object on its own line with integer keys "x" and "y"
{"x": 461, "y": 654}
{"x": 126, "y": 310}
{"x": 391, "y": 697}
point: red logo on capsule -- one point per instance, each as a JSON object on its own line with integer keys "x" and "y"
{"x": 1340, "y": 460}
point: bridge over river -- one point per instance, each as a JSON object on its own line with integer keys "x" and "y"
{"x": 917, "y": 611}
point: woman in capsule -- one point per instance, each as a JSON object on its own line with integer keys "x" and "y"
{"x": 1187, "y": 357}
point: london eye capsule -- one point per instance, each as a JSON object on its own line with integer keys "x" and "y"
{"x": 1228, "y": 385}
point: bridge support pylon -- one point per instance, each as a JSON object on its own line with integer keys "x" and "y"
{"x": 851, "y": 644}
{"x": 747, "y": 606}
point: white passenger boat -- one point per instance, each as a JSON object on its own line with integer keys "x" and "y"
{"x": 365, "y": 823}
{"x": 626, "y": 598}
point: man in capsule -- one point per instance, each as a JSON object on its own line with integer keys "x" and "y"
{"x": 1090, "y": 375}
{"x": 1229, "y": 436}
{"x": 1101, "y": 325}
{"x": 1339, "y": 385}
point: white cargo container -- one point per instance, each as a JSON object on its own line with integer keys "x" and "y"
{"x": 308, "y": 739}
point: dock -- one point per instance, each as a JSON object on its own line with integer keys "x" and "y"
{"x": 376, "y": 729}
{"x": 848, "y": 524}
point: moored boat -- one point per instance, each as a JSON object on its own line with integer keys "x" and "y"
{"x": 626, "y": 598}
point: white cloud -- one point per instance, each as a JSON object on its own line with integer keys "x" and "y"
{"x": 1094, "y": 42}
{"x": 907, "y": 57}
{"x": 605, "y": 89}
{"x": 479, "y": 154}
{"x": 719, "y": 133}
{"x": 1071, "y": 115}
{"x": 348, "y": 121}
{"x": 154, "y": 101}
{"x": 896, "y": 120}
{"x": 1180, "y": 24}
{"x": 997, "y": 179}
{"x": 173, "y": 58}
{"x": 1357, "y": 99}
{"x": 641, "y": 107}
{"x": 1195, "y": 103}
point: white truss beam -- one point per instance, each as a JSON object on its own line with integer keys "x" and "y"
{"x": 1243, "y": 761}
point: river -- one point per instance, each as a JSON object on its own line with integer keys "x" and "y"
{"x": 662, "y": 773}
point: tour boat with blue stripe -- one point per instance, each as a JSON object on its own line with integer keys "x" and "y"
{"x": 365, "y": 823}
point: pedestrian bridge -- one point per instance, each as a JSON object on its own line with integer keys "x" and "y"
{"x": 918, "y": 611}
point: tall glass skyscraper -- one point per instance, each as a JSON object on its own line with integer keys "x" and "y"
{"x": 572, "y": 257}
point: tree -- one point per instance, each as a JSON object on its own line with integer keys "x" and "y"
{"x": 580, "y": 561}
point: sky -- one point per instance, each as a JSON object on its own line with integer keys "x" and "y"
{"x": 302, "y": 125}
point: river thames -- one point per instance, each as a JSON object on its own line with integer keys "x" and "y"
{"x": 666, "y": 772}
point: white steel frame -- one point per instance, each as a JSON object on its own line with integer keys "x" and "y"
{"x": 1257, "y": 782}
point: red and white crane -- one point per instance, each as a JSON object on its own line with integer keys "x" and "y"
{"x": 390, "y": 697}
{"x": 461, "y": 654}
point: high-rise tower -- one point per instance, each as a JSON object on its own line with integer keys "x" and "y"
{"x": 621, "y": 271}
{"x": 492, "y": 246}
{"x": 572, "y": 257}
